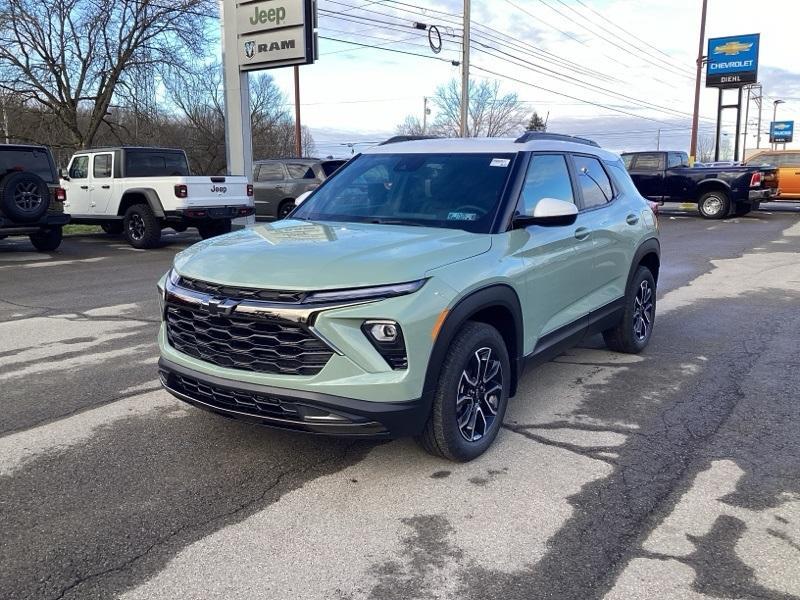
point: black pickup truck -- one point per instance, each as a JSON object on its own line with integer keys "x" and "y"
{"x": 718, "y": 191}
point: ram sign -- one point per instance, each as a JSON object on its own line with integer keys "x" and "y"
{"x": 781, "y": 132}
{"x": 732, "y": 61}
{"x": 275, "y": 33}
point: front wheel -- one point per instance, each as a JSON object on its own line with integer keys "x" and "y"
{"x": 47, "y": 240}
{"x": 714, "y": 205}
{"x": 471, "y": 397}
{"x": 141, "y": 227}
{"x": 632, "y": 334}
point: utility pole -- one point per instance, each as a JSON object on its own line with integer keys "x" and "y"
{"x": 774, "y": 118}
{"x": 298, "y": 130}
{"x": 425, "y": 112}
{"x": 760, "y": 104}
{"x": 696, "y": 114}
{"x": 749, "y": 89}
{"x": 5, "y": 116}
{"x": 465, "y": 72}
{"x": 658, "y": 140}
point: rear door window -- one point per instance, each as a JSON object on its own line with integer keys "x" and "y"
{"x": 297, "y": 171}
{"x": 79, "y": 169}
{"x": 102, "y": 166}
{"x": 271, "y": 172}
{"x": 648, "y": 162}
{"x": 593, "y": 180}
{"x": 675, "y": 160}
{"x": 31, "y": 160}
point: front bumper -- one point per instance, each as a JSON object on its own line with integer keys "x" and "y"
{"x": 295, "y": 410}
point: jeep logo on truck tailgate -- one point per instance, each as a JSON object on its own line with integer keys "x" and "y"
{"x": 219, "y": 189}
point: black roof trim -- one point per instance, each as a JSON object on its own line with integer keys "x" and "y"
{"x": 530, "y": 136}
{"x": 113, "y": 148}
{"x": 408, "y": 138}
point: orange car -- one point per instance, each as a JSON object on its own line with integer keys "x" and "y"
{"x": 788, "y": 163}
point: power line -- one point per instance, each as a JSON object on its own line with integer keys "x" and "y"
{"x": 454, "y": 63}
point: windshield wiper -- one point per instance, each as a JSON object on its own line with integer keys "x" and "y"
{"x": 396, "y": 222}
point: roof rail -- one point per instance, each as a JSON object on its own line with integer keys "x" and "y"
{"x": 407, "y": 138}
{"x": 530, "y": 136}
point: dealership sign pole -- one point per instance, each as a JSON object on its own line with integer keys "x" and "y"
{"x": 732, "y": 64}
{"x": 259, "y": 35}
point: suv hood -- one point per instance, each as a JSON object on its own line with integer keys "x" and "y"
{"x": 306, "y": 255}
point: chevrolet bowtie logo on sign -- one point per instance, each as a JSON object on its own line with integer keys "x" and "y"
{"x": 732, "y": 48}
{"x": 781, "y": 132}
{"x": 732, "y": 61}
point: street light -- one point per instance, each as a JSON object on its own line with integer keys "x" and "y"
{"x": 774, "y": 118}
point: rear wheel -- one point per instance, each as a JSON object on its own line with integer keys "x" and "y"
{"x": 112, "y": 228}
{"x": 285, "y": 208}
{"x": 46, "y": 240}
{"x": 141, "y": 227}
{"x": 714, "y": 205}
{"x": 471, "y": 397}
{"x": 211, "y": 229}
{"x": 632, "y": 334}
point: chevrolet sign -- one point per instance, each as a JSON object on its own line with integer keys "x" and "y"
{"x": 781, "y": 132}
{"x": 732, "y": 61}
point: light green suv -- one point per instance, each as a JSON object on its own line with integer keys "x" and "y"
{"x": 407, "y": 293}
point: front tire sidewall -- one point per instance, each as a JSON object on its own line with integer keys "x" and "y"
{"x": 708, "y": 201}
{"x": 443, "y": 435}
{"x": 152, "y": 227}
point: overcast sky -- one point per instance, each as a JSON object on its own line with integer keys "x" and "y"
{"x": 359, "y": 94}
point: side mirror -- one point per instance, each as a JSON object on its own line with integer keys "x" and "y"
{"x": 548, "y": 211}
{"x": 64, "y": 174}
{"x": 301, "y": 198}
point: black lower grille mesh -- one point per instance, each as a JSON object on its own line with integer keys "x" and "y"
{"x": 263, "y": 346}
{"x": 241, "y": 401}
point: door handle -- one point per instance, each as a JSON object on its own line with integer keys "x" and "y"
{"x": 582, "y": 233}
{"x": 106, "y": 187}
{"x": 632, "y": 219}
{"x": 84, "y": 187}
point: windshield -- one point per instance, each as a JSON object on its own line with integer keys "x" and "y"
{"x": 455, "y": 191}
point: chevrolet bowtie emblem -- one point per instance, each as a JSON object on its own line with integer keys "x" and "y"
{"x": 220, "y": 306}
{"x": 732, "y": 48}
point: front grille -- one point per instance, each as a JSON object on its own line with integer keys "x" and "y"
{"x": 263, "y": 345}
{"x": 241, "y": 293}
{"x": 247, "y": 402}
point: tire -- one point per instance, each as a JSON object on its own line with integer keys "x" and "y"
{"x": 632, "y": 334}
{"x": 113, "y": 227}
{"x": 211, "y": 229}
{"x": 714, "y": 205}
{"x": 141, "y": 227}
{"x": 24, "y": 197}
{"x": 445, "y": 434}
{"x": 46, "y": 240}
{"x": 284, "y": 208}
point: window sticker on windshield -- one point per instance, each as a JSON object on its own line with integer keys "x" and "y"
{"x": 462, "y": 216}
{"x": 500, "y": 162}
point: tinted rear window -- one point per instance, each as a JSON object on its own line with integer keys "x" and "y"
{"x": 329, "y": 167}
{"x": 31, "y": 160}
{"x": 155, "y": 164}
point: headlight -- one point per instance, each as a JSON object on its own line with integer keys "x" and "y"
{"x": 367, "y": 293}
{"x": 173, "y": 277}
{"x": 387, "y": 338}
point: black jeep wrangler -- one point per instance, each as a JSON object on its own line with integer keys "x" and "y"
{"x": 31, "y": 201}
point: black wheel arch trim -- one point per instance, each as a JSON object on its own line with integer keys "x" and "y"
{"x": 649, "y": 246}
{"x": 499, "y": 295}
{"x": 152, "y": 200}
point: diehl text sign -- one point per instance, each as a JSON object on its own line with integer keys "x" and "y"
{"x": 732, "y": 61}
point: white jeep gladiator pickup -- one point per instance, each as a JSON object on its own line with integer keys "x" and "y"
{"x": 140, "y": 191}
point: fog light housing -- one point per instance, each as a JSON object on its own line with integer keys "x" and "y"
{"x": 387, "y": 338}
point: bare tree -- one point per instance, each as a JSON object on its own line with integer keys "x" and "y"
{"x": 410, "y": 126}
{"x": 705, "y": 147}
{"x": 73, "y": 57}
{"x": 491, "y": 113}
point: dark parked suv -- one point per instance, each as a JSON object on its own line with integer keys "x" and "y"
{"x": 31, "y": 201}
{"x": 278, "y": 183}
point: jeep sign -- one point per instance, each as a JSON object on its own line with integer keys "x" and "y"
{"x": 275, "y": 33}
{"x": 268, "y": 15}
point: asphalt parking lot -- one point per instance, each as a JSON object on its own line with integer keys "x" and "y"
{"x": 673, "y": 474}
